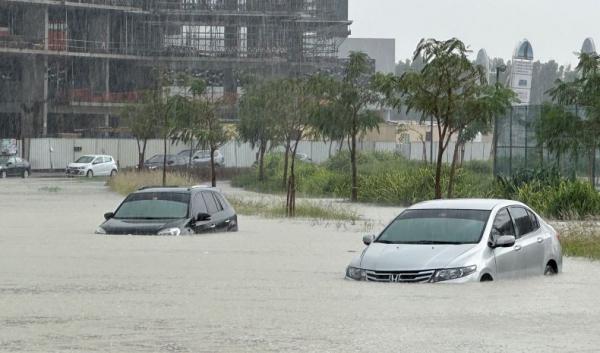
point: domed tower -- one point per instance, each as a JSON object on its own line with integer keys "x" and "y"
{"x": 588, "y": 47}
{"x": 483, "y": 60}
{"x": 522, "y": 71}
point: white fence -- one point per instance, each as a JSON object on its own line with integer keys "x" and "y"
{"x": 236, "y": 154}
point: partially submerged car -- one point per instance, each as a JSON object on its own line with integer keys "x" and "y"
{"x": 171, "y": 211}
{"x": 14, "y": 166}
{"x": 93, "y": 165}
{"x": 460, "y": 241}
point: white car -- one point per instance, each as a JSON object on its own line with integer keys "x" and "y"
{"x": 93, "y": 165}
{"x": 460, "y": 241}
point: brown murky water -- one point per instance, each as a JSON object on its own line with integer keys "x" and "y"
{"x": 274, "y": 286}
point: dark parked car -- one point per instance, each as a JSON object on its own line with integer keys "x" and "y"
{"x": 171, "y": 211}
{"x": 14, "y": 166}
{"x": 157, "y": 161}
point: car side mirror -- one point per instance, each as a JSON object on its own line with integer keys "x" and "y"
{"x": 8, "y": 164}
{"x": 368, "y": 239}
{"x": 109, "y": 215}
{"x": 201, "y": 217}
{"x": 505, "y": 241}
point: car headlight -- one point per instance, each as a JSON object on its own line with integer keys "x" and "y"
{"x": 100, "y": 230}
{"x": 356, "y": 273}
{"x": 452, "y": 273}
{"x": 170, "y": 231}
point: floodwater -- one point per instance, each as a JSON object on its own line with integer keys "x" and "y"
{"x": 274, "y": 286}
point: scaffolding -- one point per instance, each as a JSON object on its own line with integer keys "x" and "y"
{"x": 67, "y": 55}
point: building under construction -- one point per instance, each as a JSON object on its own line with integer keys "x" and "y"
{"x": 67, "y": 67}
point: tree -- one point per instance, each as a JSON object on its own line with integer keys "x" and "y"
{"x": 449, "y": 88}
{"x": 296, "y": 125}
{"x": 583, "y": 92}
{"x": 345, "y": 107}
{"x": 142, "y": 125}
{"x": 258, "y": 120}
{"x": 214, "y": 134}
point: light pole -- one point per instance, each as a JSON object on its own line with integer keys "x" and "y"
{"x": 499, "y": 69}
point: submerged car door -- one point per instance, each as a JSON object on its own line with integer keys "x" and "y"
{"x": 530, "y": 239}
{"x": 13, "y": 167}
{"x": 509, "y": 261}
{"x": 199, "y": 206}
{"x": 215, "y": 209}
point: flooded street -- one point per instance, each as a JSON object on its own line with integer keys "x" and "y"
{"x": 274, "y": 286}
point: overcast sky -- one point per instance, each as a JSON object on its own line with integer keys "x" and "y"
{"x": 555, "y": 28}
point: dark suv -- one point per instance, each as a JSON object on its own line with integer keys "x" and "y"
{"x": 171, "y": 211}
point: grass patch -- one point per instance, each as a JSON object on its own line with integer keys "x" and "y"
{"x": 304, "y": 209}
{"x": 128, "y": 182}
{"x": 582, "y": 240}
{"x": 50, "y": 189}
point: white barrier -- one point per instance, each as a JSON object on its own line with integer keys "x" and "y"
{"x": 236, "y": 154}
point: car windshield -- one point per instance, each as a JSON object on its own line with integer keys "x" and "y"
{"x": 4, "y": 159}
{"x": 436, "y": 226}
{"x": 85, "y": 159}
{"x": 154, "y": 205}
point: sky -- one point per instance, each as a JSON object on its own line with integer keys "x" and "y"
{"x": 555, "y": 28}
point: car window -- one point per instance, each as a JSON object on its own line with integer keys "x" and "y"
{"x": 198, "y": 206}
{"x": 154, "y": 205}
{"x": 108, "y": 159}
{"x": 97, "y": 160}
{"x": 535, "y": 223}
{"x": 217, "y": 201}
{"x": 503, "y": 224}
{"x": 522, "y": 221}
{"x": 211, "y": 205}
{"x": 221, "y": 200}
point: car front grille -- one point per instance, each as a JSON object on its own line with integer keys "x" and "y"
{"x": 400, "y": 276}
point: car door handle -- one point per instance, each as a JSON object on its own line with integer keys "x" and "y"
{"x": 227, "y": 221}
{"x": 540, "y": 240}
{"x": 517, "y": 247}
{"x": 212, "y": 226}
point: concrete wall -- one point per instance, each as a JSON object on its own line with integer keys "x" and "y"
{"x": 236, "y": 154}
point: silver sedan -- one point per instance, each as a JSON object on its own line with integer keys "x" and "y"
{"x": 460, "y": 241}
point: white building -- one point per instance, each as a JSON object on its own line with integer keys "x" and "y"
{"x": 588, "y": 47}
{"x": 522, "y": 71}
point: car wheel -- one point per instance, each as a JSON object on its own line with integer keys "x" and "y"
{"x": 486, "y": 278}
{"x": 3, "y": 174}
{"x": 90, "y": 174}
{"x": 550, "y": 270}
{"x": 25, "y": 174}
{"x": 113, "y": 173}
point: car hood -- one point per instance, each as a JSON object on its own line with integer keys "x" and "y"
{"x": 410, "y": 257}
{"x": 77, "y": 165}
{"x": 140, "y": 226}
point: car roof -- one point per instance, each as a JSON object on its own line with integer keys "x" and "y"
{"x": 180, "y": 189}
{"x": 464, "y": 204}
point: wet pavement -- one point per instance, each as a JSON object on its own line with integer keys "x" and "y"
{"x": 274, "y": 286}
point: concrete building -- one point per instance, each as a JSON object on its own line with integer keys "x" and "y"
{"x": 69, "y": 66}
